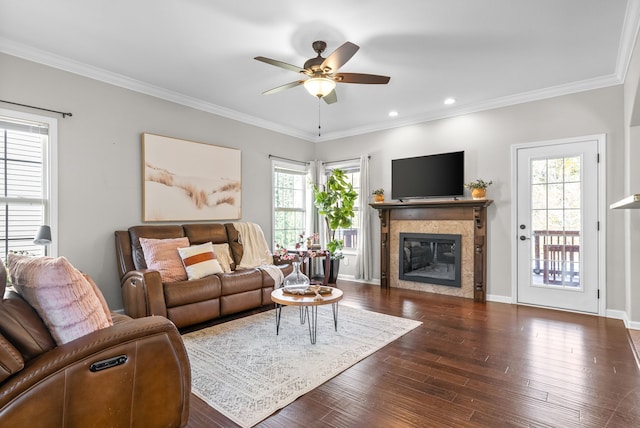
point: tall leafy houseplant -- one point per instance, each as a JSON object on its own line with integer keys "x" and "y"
{"x": 335, "y": 201}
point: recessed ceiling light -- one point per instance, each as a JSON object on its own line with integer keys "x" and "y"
{"x": 393, "y": 113}
{"x": 449, "y": 101}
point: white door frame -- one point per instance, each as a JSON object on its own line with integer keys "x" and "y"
{"x": 602, "y": 213}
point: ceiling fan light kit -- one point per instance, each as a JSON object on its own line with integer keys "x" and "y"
{"x": 323, "y": 72}
{"x": 319, "y": 86}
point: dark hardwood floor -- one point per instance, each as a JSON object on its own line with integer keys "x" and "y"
{"x": 472, "y": 365}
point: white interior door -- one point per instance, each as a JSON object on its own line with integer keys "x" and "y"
{"x": 557, "y": 225}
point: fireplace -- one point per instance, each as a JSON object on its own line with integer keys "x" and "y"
{"x": 466, "y": 219}
{"x": 432, "y": 258}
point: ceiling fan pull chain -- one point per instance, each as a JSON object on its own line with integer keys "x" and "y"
{"x": 319, "y": 128}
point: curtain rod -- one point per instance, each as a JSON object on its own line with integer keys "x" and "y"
{"x": 288, "y": 160}
{"x": 343, "y": 160}
{"x": 64, "y": 115}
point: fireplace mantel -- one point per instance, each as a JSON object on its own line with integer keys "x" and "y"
{"x": 438, "y": 210}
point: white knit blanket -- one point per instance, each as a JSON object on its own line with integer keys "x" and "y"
{"x": 256, "y": 253}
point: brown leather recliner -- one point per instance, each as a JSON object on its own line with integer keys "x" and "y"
{"x": 133, "y": 374}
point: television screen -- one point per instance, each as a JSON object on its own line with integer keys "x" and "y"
{"x": 432, "y": 176}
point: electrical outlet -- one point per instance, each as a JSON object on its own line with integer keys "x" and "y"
{"x": 346, "y": 261}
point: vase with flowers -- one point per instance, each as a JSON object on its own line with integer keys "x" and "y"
{"x": 478, "y": 188}
{"x": 298, "y": 259}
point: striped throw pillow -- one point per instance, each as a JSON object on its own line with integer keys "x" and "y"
{"x": 199, "y": 260}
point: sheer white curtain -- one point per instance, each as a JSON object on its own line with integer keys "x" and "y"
{"x": 364, "y": 255}
{"x": 312, "y": 219}
{"x": 318, "y": 177}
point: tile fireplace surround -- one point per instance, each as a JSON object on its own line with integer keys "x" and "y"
{"x": 460, "y": 217}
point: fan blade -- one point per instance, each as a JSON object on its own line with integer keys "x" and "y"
{"x": 280, "y": 64}
{"x": 331, "y": 97}
{"x": 339, "y": 57}
{"x": 361, "y": 78}
{"x": 283, "y": 87}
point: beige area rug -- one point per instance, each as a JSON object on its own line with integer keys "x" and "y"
{"x": 246, "y": 372}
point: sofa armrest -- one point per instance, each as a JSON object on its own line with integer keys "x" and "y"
{"x": 149, "y": 383}
{"x": 142, "y": 293}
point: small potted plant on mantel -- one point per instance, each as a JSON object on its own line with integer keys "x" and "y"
{"x": 378, "y": 195}
{"x": 478, "y": 188}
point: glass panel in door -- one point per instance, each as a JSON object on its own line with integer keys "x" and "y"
{"x": 555, "y": 220}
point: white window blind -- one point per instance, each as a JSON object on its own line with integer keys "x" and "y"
{"x": 23, "y": 196}
{"x": 289, "y": 204}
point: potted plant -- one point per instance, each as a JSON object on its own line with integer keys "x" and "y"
{"x": 378, "y": 195}
{"x": 335, "y": 201}
{"x": 478, "y": 188}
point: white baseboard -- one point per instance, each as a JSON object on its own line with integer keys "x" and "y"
{"x": 499, "y": 299}
{"x": 622, "y": 315}
{"x": 352, "y": 278}
{"x": 632, "y": 325}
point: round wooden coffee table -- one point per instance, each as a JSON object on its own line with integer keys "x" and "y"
{"x": 305, "y": 302}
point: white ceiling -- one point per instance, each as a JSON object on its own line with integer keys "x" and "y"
{"x": 200, "y": 53}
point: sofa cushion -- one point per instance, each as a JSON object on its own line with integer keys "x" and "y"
{"x": 162, "y": 255}
{"x": 201, "y": 233}
{"x": 240, "y": 281}
{"x": 60, "y": 294}
{"x": 199, "y": 260}
{"x": 197, "y": 290}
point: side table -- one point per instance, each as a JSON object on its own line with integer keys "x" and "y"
{"x": 305, "y": 303}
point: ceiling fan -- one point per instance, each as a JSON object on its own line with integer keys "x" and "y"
{"x": 323, "y": 72}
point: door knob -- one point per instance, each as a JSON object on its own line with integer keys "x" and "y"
{"x": 522, "y": 238}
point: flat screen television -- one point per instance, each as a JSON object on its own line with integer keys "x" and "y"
{"x": 432, "y": 176}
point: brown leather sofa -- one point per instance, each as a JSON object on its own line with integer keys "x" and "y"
{"x": 144, "y": 379}
{"x": 189, "y": 302}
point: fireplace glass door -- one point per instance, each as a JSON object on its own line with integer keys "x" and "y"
{"x": 430, "y": 258}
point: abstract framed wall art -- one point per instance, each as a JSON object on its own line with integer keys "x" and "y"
{"x": 189, "y": 181}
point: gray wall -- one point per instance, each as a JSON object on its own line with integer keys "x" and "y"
{"x": 100, "y": 160}
{"x": 487, "y": 138}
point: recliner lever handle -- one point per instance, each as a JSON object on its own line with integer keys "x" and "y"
{"x": 108, "y": 363}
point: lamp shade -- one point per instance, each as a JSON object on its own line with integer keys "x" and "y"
{"x": 319, "y": 86}
{"x": 44, "y": 236}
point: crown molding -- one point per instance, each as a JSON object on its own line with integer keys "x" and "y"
{"x": 66, "y": 64}
{"x": 540, "y": 94}
{"x": 631, "y": 26}
{"x": 628, "y": 39}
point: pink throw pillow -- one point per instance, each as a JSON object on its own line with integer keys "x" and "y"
{"x": 60, "y": 294}
{"x": 162, "y": 255}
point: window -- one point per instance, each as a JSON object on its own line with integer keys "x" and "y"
{"x": 290, "y": 203}
{"x": 350, "y": 236}
{"x": 25, "y": 186}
